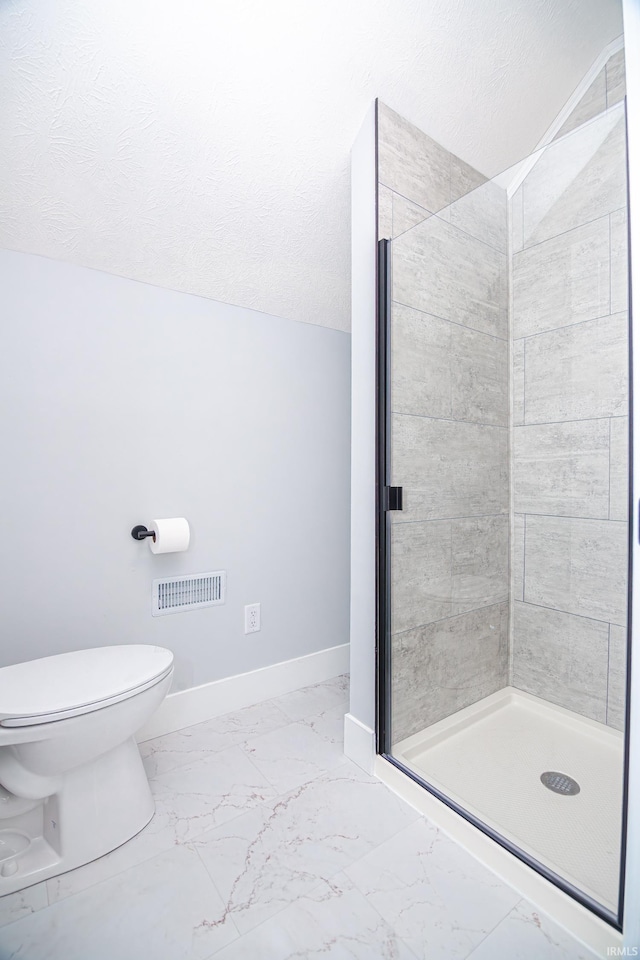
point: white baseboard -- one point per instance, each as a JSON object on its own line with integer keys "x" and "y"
{"x": 359, "y": 743}
{"x": 186, "y": 707}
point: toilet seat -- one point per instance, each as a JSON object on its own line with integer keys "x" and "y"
{"x": 72, "y": 684}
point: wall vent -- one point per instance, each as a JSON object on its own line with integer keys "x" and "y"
{"x": 174, "y": 594}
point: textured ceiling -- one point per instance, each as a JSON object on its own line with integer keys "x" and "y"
{"x": 204, "y": 146}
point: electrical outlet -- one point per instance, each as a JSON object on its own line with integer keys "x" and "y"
{"x": 252, "y": 618}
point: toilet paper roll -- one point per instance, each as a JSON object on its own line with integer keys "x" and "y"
{"x": 171, "y": 536}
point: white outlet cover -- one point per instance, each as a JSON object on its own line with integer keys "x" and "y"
{"x": 252, "y": 618}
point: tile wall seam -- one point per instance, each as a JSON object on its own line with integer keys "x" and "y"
{"x": 551, "y": 423}
{"x": 466, "y": 516}
{"x": 572, "y": 613}
{"x": 566, "y": 326}
{"x": 609, "y": 468}
{"x": 456, "y": 323}
{"x": 432, "y": 213}
{"x": 610, "y": 268}
{"x": 454, "y": 226}
{"x": 474, "y": 423}
{"x": 606, "y": 714}
{"x": 564, "y": 233}
{"x": 510, "y": 416}
{"x": 455, "y": 616}
{"x": 561, "y": 516}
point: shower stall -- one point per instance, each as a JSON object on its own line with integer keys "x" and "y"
{"x": 503, "y": 495}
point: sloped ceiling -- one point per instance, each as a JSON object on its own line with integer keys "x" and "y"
{"x": 204, "y": 146}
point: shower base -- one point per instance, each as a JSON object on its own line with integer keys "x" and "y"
{"x": 489, "y": 759}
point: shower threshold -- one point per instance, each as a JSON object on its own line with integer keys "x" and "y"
{"x": 489, "y": 759}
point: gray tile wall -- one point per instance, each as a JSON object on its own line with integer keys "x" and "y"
{"x": 483, "y": 596}
{"x": 570, "y": 414}
{"x": 607, "y": 89}
{"x": 450, "y": 420}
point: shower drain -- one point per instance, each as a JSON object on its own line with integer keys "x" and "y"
{"x": 560, "y": 783}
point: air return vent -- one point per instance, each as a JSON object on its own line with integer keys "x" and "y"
{"x": 186, "y": 593}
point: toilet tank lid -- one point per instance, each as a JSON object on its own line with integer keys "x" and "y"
{"x": 78, "y": 679}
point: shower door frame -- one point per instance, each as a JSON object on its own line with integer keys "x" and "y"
{"x": 383, "y": 603}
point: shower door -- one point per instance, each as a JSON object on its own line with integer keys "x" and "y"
{"x": 504, "y": 501}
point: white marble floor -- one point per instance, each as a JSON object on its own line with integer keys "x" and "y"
{"x": 268, "y": 844}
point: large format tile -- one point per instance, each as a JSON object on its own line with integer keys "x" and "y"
{"x": 579, "y": 566}
{"x": 207, "y": 793}
{"x": 562, "y": 468}
{"x": 561, "y": 658}
{"x": 434, "y": 894}
{"x": 441, "y": 369}
{"x": 261, "y": 862}
{"x": 160, "y": 835}
{"x": 385, "y": 212}
{"x": 406, "y": 215}
{"x": 479, "y": 562}
{"x": 562, "y": 281}
{"x": 333, "y": 920}
{"x": 464, "y": 178}
{"x": 617, "y": 688}
{"x": 593, "y": 102}
{"x": 315, "y": 699}
{"x": 449, "y": 468}
{"x": 482, "y": 213}
{"x": 411, "y": 163}
{"x": 442, "y": 667}
{"x": 619, "y": 469}
{"x": 517, "y": 557}
{"x": 420, "y": 573}
{"x": 167, "y": 909}
{"x": 516, "y": 208}
{"x": 616, "y": 78}
{"x": 619, "y": 261}
{"x": 579, "y": 372}
{"x": 441, "y": 568}
{"x": 517, "y": 361}
{"x": 527, "y": 934}
{"x": 202, "y": 740}
{"x": 13, "y": 906}
{"x": 577, "y": 180}
{"x": 292, "y": 755}
{"x": 443, "y": 271}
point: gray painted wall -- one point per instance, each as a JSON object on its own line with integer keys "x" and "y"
{"x": 450, "y": 415}
{"x": 124, "y": 402}
{"x": 570, "y": 413}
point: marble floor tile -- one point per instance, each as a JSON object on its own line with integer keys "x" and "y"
{"x": 329, "y": 725}
{"x": 165, "y": 909}
{"x": 309, "y": 701}
{"x": 333, "y": 920}
{"x": 188, "y": 801}
{"x": 13, "y": 906}
{"x": 261, "y": 862}
{"x": 203, "y": 739}
{"x": 527, "y": 934}
{"x": 157, "y": 837}
{"x": 434, "y": 894}
{"x": 292, "y": 755}
{"x": 206, "y": 794}
{"x": 271, "y": 882}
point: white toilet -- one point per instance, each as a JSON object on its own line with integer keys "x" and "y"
{"x": 72, "y": 784}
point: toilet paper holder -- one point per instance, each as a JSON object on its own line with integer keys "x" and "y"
{"x": 140, "y": 533}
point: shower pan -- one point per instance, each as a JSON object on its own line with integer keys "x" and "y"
{"x": 503, "y": 494}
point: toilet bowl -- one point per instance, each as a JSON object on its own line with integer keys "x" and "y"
{"x": 72, "y": 783}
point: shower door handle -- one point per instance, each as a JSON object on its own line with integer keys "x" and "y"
{"x": 393, "y": 498}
